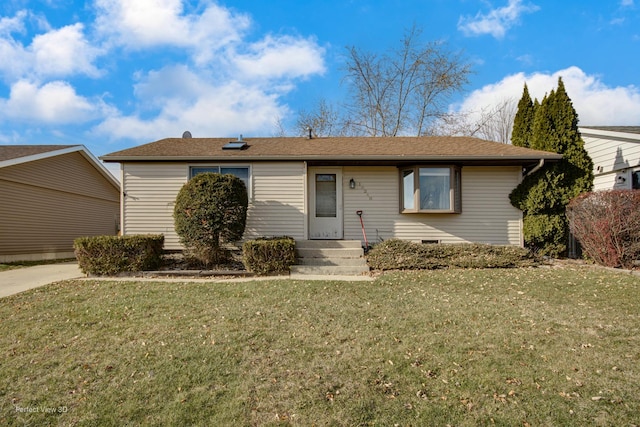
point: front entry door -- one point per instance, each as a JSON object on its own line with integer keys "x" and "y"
{"x": 325, "y": 203}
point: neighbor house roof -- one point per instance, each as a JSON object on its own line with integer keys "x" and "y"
{"x": 11, "y": 155}
{"x": 12, "y": 152}
{"x": 336, "y": 150}
{"x": 614, "y": 133}
{"x": 622, "y": 129}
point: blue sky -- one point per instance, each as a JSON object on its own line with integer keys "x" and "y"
{"x": 111, "y": 74}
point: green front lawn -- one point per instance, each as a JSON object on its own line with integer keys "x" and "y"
{"x": 540, "y": 346}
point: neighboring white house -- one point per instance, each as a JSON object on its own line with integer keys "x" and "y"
{"x": 615, "y": 151}
{"x": 430, "y": 189}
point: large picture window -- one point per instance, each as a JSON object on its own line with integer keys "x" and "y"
{"x": 430, "y": 189}
{"x": 241, "y": 172}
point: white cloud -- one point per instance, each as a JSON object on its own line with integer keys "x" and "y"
{"x": 626, "y": 3}
{"x": 55, "y": 53}
{"x": 497, "y": 21}
{"x": 200, "y": 106}
{"x": 11, "y": 25}
{"x": 150, "y": 23}
{"x": 594, "y": 101}
{"x": 55, "y": 102}
{"x": 282, "y": 57}
{"x": 64, "y": 52}
{"x": 226, "y": 86}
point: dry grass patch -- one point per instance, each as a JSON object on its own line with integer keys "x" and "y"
{"x": 544, "y": 346}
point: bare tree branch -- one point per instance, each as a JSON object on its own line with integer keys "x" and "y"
{"x": 404, "y": 91}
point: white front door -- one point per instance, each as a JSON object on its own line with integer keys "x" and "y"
{"x": 325, "y": 203}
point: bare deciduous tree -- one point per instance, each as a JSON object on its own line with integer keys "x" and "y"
{"x": 401, "y": 93}
{"x": 323, "y": 120}
{"x": 493, "y": 123}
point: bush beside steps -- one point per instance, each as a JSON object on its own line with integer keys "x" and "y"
{"x": 398, "y": 254}
{"x": 269, "y": 255}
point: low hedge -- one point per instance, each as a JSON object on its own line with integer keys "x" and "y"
{"x": 398, "y": 254}
{"x": 268, "y": 255}
{"x": 111, "y": 255}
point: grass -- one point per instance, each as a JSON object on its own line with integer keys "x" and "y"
{"x": 22, "y": 264}
{"x": 544, "y": 346}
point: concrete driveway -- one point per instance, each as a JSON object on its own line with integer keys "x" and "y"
{"x": 22, "y": 279}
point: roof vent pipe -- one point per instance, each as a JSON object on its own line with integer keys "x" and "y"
{"x": 310, "y": 134}
{"x": 186, "y": 134}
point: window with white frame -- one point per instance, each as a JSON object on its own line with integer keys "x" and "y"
{"x": 430, "y": 189}
{"x": 241, "y": 172}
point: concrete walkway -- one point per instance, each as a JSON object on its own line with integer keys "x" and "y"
{"x": 22, "y": 279}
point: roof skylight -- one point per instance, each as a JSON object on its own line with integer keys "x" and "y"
{"x": 240, "y": 144}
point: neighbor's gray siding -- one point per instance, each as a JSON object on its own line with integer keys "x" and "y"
{"x": 276, "y": 205}
{"x": 487, "y": 215}
{"x": 614, "y": 154}
{"x": 47, "y": 203}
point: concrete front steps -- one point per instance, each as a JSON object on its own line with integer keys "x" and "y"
{"x": 330, "y": 257}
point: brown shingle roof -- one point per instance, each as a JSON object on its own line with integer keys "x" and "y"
{"x": 334, "y": 149}
{"x": 10, "y": 152}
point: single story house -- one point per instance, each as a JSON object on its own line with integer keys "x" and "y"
{"x": 52, "y": 194}
{"x": 615, "y": 151}
{"x": 425, "y": 189}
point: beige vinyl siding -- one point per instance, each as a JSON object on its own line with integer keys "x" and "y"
{"x": 276, "y": 205}
{"x": 47, "y": 203}
{"x": 150, "y": 191}
{"x": 487, "y": 216}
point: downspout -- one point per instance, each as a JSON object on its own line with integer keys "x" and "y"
{"x": 536, "y": 169}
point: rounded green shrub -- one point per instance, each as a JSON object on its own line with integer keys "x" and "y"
{"x": 210, "y": 210}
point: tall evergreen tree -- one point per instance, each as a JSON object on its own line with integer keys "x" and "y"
{"x": 543, "y": 129}
{"x": 544, "y": 195}
{"x": 577, "y": 165}
{"x": 523, "y": 121}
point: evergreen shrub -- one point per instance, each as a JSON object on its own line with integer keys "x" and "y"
{"x": 110, "y": 255}
{"x": 269, "y": 255}
{"x": 546, "y": 234}
{"x": 550, "y": 125}
{"x": 396, "y": 254}
{"x": 210, "y": 210}
{"x": 607, "y": 225}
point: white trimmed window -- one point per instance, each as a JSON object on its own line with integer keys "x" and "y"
{"x": 430, "y": 189}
